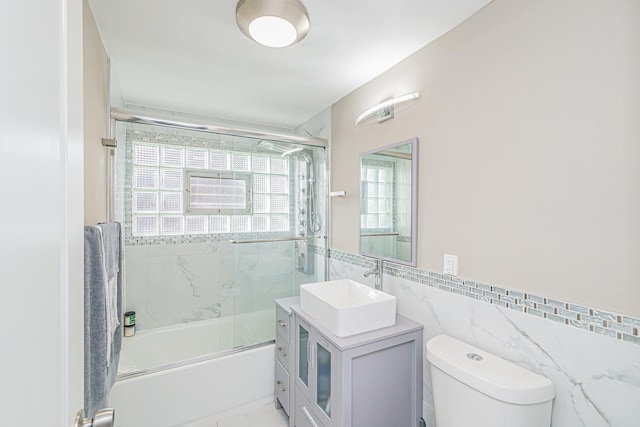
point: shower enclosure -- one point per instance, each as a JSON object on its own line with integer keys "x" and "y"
{"x": 217, "y": 224}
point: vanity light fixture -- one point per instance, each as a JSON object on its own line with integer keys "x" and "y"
{"x": 384, "y": 110}
{"x": 273, "y": 23}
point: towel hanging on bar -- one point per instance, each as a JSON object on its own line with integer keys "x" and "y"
{"x": 102, "y": 311}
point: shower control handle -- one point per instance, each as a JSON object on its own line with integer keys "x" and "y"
{"x": 102, "y": 418}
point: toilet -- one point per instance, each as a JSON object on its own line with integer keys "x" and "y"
{"x": 474, "y": 388}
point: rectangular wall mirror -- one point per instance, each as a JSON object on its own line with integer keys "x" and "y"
{"x": 389, "y": 202}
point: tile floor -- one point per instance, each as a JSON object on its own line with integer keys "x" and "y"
{"x": 265, "y": 416}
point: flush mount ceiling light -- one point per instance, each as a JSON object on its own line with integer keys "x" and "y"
{"x": 273, "y": 23}
{"x": 384, "y": 110}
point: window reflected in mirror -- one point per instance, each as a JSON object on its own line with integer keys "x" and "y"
{"x": 388, "y": 202}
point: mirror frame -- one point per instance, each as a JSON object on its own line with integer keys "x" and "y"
{"x": 414, "y": 202}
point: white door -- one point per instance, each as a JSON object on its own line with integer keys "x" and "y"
{"x": 41, "y": 212}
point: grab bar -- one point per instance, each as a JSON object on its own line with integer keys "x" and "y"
{"x": 282, "y": 239}
{"x": 379, "y": 234}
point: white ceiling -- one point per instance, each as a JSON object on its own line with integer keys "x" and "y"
{"x": 189, "y": 56}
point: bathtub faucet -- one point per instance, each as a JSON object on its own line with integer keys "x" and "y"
{"x": 377, "y": 271}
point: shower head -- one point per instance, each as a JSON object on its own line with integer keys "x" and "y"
{"x": 266, "y": 144}
{"x": 290, "y": 152}
{"x": 270, "y": 146}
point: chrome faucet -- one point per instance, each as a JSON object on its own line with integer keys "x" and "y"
{"x": 377, "y": 271}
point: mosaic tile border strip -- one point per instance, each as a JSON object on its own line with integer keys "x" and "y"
{"x": 201, "y": 238}
{"x": 601, "y": 322}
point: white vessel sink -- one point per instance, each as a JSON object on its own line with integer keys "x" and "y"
{"x": 346, "y": 307}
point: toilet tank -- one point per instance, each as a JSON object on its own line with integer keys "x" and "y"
{"x": 474, "y": 388}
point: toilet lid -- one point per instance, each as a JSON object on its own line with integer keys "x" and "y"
{"x": 488, "y": 373}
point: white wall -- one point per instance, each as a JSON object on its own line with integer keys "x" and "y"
{"x": 528, "y": 149}
{"x": 41, "y": 249}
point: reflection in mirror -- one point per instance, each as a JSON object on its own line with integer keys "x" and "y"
{"x": 388, "y": 202}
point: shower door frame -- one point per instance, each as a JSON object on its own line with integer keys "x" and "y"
{"x": 202, "y": 125}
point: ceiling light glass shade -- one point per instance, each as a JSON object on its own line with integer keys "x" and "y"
{"x": 272, "y": 31}
{"x": 273, "y": 23}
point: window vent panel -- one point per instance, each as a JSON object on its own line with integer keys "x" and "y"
{"x": 212, "y": 193}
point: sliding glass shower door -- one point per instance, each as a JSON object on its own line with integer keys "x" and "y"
{"x": 216, "y": 227}
{"x": 266, "y": 266}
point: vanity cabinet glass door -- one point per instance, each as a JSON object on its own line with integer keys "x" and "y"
{"x": 314, "y": 370}
{"x": 323, "y": 379}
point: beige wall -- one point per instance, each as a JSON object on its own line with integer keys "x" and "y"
{"x": 529, "y": 128}
{"x": 96, "y": 120}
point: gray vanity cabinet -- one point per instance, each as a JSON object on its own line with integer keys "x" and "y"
{"x": 284, "y": 360}
{"x": 368, "y": 379}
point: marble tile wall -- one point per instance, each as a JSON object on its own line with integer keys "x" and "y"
{"x": 596, "y": 374}
{"x": 168, "y": 284}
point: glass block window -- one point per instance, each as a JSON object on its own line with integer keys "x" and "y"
{"x": 185, "y": 190}
{"x": 376, "y": 196}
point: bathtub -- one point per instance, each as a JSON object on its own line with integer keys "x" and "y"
{"x": 182, "y": 375}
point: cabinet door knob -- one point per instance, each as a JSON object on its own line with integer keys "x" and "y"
{"x": 312, "y": 355}
{"x": 282, "y": 351}
{"x": 280, "y": 386}
{"x": 281, "y": 323}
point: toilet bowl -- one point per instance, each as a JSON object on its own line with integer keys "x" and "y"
{"x": 474, "y": 388}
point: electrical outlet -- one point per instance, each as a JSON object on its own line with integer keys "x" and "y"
{"x": 450, "y": 264}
